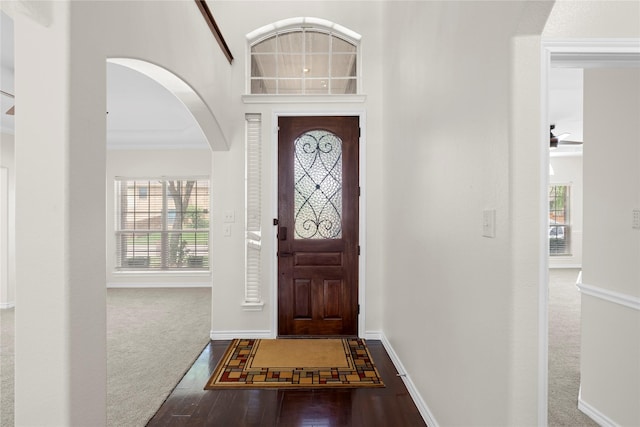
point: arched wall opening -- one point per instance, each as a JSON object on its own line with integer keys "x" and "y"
{"x": 160, "y": 138}
{"x": 185, "y": 93}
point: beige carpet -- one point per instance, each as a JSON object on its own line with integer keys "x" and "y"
{"x": 7, "y": 351}
{"x": 153, "y": 337}
{"x": 296, "y": 363}
{"x": 564, "y": 350}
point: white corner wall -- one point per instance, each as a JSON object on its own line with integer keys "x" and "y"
{"x": 465, "y": 330}
{"x": 610, "y": 352}
{"x": 148, "y": 164}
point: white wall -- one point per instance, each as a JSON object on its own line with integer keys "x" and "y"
{"x": 610, "y": 353}
{"x": 228, "y": 167}
{"x": 567, "y": 170}
{"x": 146, "y": 164}
{"x": 449, "y": 299}
{"x": 61, "y": 139}
{"x": 441, "y": 89}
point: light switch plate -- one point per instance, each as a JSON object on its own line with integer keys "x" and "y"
{"x": 226, "y": 230}
{"x": 229, "y": 216}
{"x": 636, "y": 219}
{"x": 489, "y": 223}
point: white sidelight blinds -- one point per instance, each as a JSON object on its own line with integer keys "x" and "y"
{"x": 253, "y": 236}
{"x": 162, "y": 224}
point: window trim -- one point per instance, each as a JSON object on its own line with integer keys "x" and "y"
{"x": 566, "y": 224}
{"x": 118, "y": 231}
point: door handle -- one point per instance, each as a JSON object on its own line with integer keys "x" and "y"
{"x": 285, "y": 254}
{"x": 282, "y": 233}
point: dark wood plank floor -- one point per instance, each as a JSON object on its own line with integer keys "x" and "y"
{"x": 190, "y": 405}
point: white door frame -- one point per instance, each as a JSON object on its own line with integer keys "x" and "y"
{"x": 573, "y": 53}
{"x": 362, "y": 210}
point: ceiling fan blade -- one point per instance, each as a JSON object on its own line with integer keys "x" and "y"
{"x": 11, "y": 111}
{"x": 565, "y": 142}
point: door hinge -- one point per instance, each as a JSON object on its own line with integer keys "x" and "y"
{"x": 359, "y": 191}
{"x": 275, "y": 221}
{"x": 358, "y": 308}
{"x": 359, "y": 132}
{"x": 358, "y": 249}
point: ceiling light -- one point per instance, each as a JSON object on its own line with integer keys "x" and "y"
{"x": 305, "y": 70}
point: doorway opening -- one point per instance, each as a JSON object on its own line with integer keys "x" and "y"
{"x": 574, "y": 57}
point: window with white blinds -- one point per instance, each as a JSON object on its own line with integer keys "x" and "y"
{"x": 559, "y": 225}
{"x": 162, "y": 224}
{"x": 253, "y": 230}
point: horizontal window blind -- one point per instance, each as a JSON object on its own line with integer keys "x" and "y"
{"x": 559, "y": 225}
{"x": 253, "y": 165}
{"x": 162, "y": 224}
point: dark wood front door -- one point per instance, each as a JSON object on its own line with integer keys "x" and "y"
{"x": 318, "y": 194}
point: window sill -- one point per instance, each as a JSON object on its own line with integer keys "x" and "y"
{"x": 252, "y": 306}
{"x": 187, "y": 273}
{"x": 303, "y": 99}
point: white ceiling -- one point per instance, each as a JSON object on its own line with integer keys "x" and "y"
{"x": 565, "y": 102}
{"x": 143, "y": 114}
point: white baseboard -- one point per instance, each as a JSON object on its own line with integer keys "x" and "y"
{"x": 229, "y": 335}
{"x": 373, "y": 335}
{"x": 424, "y": 410}
{"x": 593, "y": 413}
{"x": 7, "y": 305}
{"x": 115, "y": 285}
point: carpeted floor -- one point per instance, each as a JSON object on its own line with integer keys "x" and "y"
{"x": 146, "y": 331}
{"x": 564, "y": 350}
{"x": 153, "y": 338}
{"x": 6, "y": 366}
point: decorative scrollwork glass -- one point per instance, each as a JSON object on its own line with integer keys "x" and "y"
{"x": 318, "y": 186}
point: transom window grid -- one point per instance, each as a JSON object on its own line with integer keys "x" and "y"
{"x": 303, "y": 61}
{"x": 559, "y": 220}
{"x": 162, "y": 224}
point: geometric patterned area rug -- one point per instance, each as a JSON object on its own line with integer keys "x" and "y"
{"x": 295, "y": 363}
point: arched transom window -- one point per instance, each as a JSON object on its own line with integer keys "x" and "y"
{"x": 304, "y": 60}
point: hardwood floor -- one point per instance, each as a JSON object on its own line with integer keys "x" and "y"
{"x": 190, "y": 405}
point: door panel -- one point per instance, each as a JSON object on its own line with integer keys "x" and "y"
{"x": 318, "y": 226}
